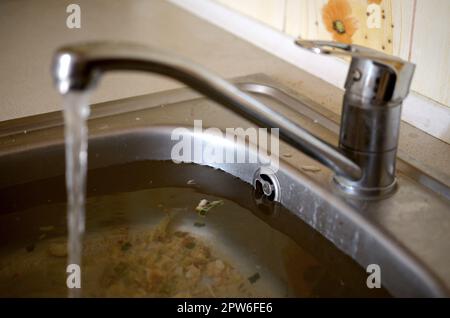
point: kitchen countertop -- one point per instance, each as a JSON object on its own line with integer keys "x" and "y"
{"x": 31, "y": 30}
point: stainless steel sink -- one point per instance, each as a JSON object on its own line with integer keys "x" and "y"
{"x": 407, "y": 234}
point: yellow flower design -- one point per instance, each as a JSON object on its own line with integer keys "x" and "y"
{"x": 336, "y": 15}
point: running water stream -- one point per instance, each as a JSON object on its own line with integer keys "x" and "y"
{"x": 76, "y": 111}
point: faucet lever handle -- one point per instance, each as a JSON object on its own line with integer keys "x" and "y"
{"x": 372, "y": 73}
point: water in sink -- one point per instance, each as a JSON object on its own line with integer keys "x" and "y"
{"x": 145, "y": 238}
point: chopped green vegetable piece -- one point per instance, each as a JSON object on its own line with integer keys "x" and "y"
{"x": 252, "y": 279}
{"x": 204, "y": 206}
{"x": 199, "y": 224}
{"x": 126, "y": 246}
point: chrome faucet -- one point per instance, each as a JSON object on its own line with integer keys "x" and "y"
{"x": 364, "y": 163}
{"x": 375, "y": 88}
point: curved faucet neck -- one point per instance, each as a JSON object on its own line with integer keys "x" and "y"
{"x": 79, "y": 67}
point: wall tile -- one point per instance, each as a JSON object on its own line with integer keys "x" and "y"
{"x": 431, "y": 49}
{"x": 402, "y": 19}
{"x": 270, "y": 12}
{"x": 303, "y": 18}
{"x": 375, "y": 25}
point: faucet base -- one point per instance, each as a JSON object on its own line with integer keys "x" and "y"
{"x": 353, "y": 189}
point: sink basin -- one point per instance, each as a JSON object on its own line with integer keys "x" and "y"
{"x": 407, "y": 235}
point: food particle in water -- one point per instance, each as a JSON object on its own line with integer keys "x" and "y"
{"x": 192, "y": 273}
{"x": 58, "y": 249}
{"x": 30, "y": 247}
{"x": 120, "y": 268}
{"x": 204, "y": 206}
{"x": 159, "y": 263}
{"x": 189, "y": 243}
{"x": 215, "y": 268}
{"x": 252, "y": 279}
{"x": 126, "y": 246}
{"x": 47, "y": 228}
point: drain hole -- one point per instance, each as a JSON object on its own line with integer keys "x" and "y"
{"x": 265, "y": 203}
{"x": 266, "y": 186}
{"x": 266, "y": 191}
{"x": 260, "y": 192}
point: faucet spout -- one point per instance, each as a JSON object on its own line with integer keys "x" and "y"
{"x": 79, "y": 67}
